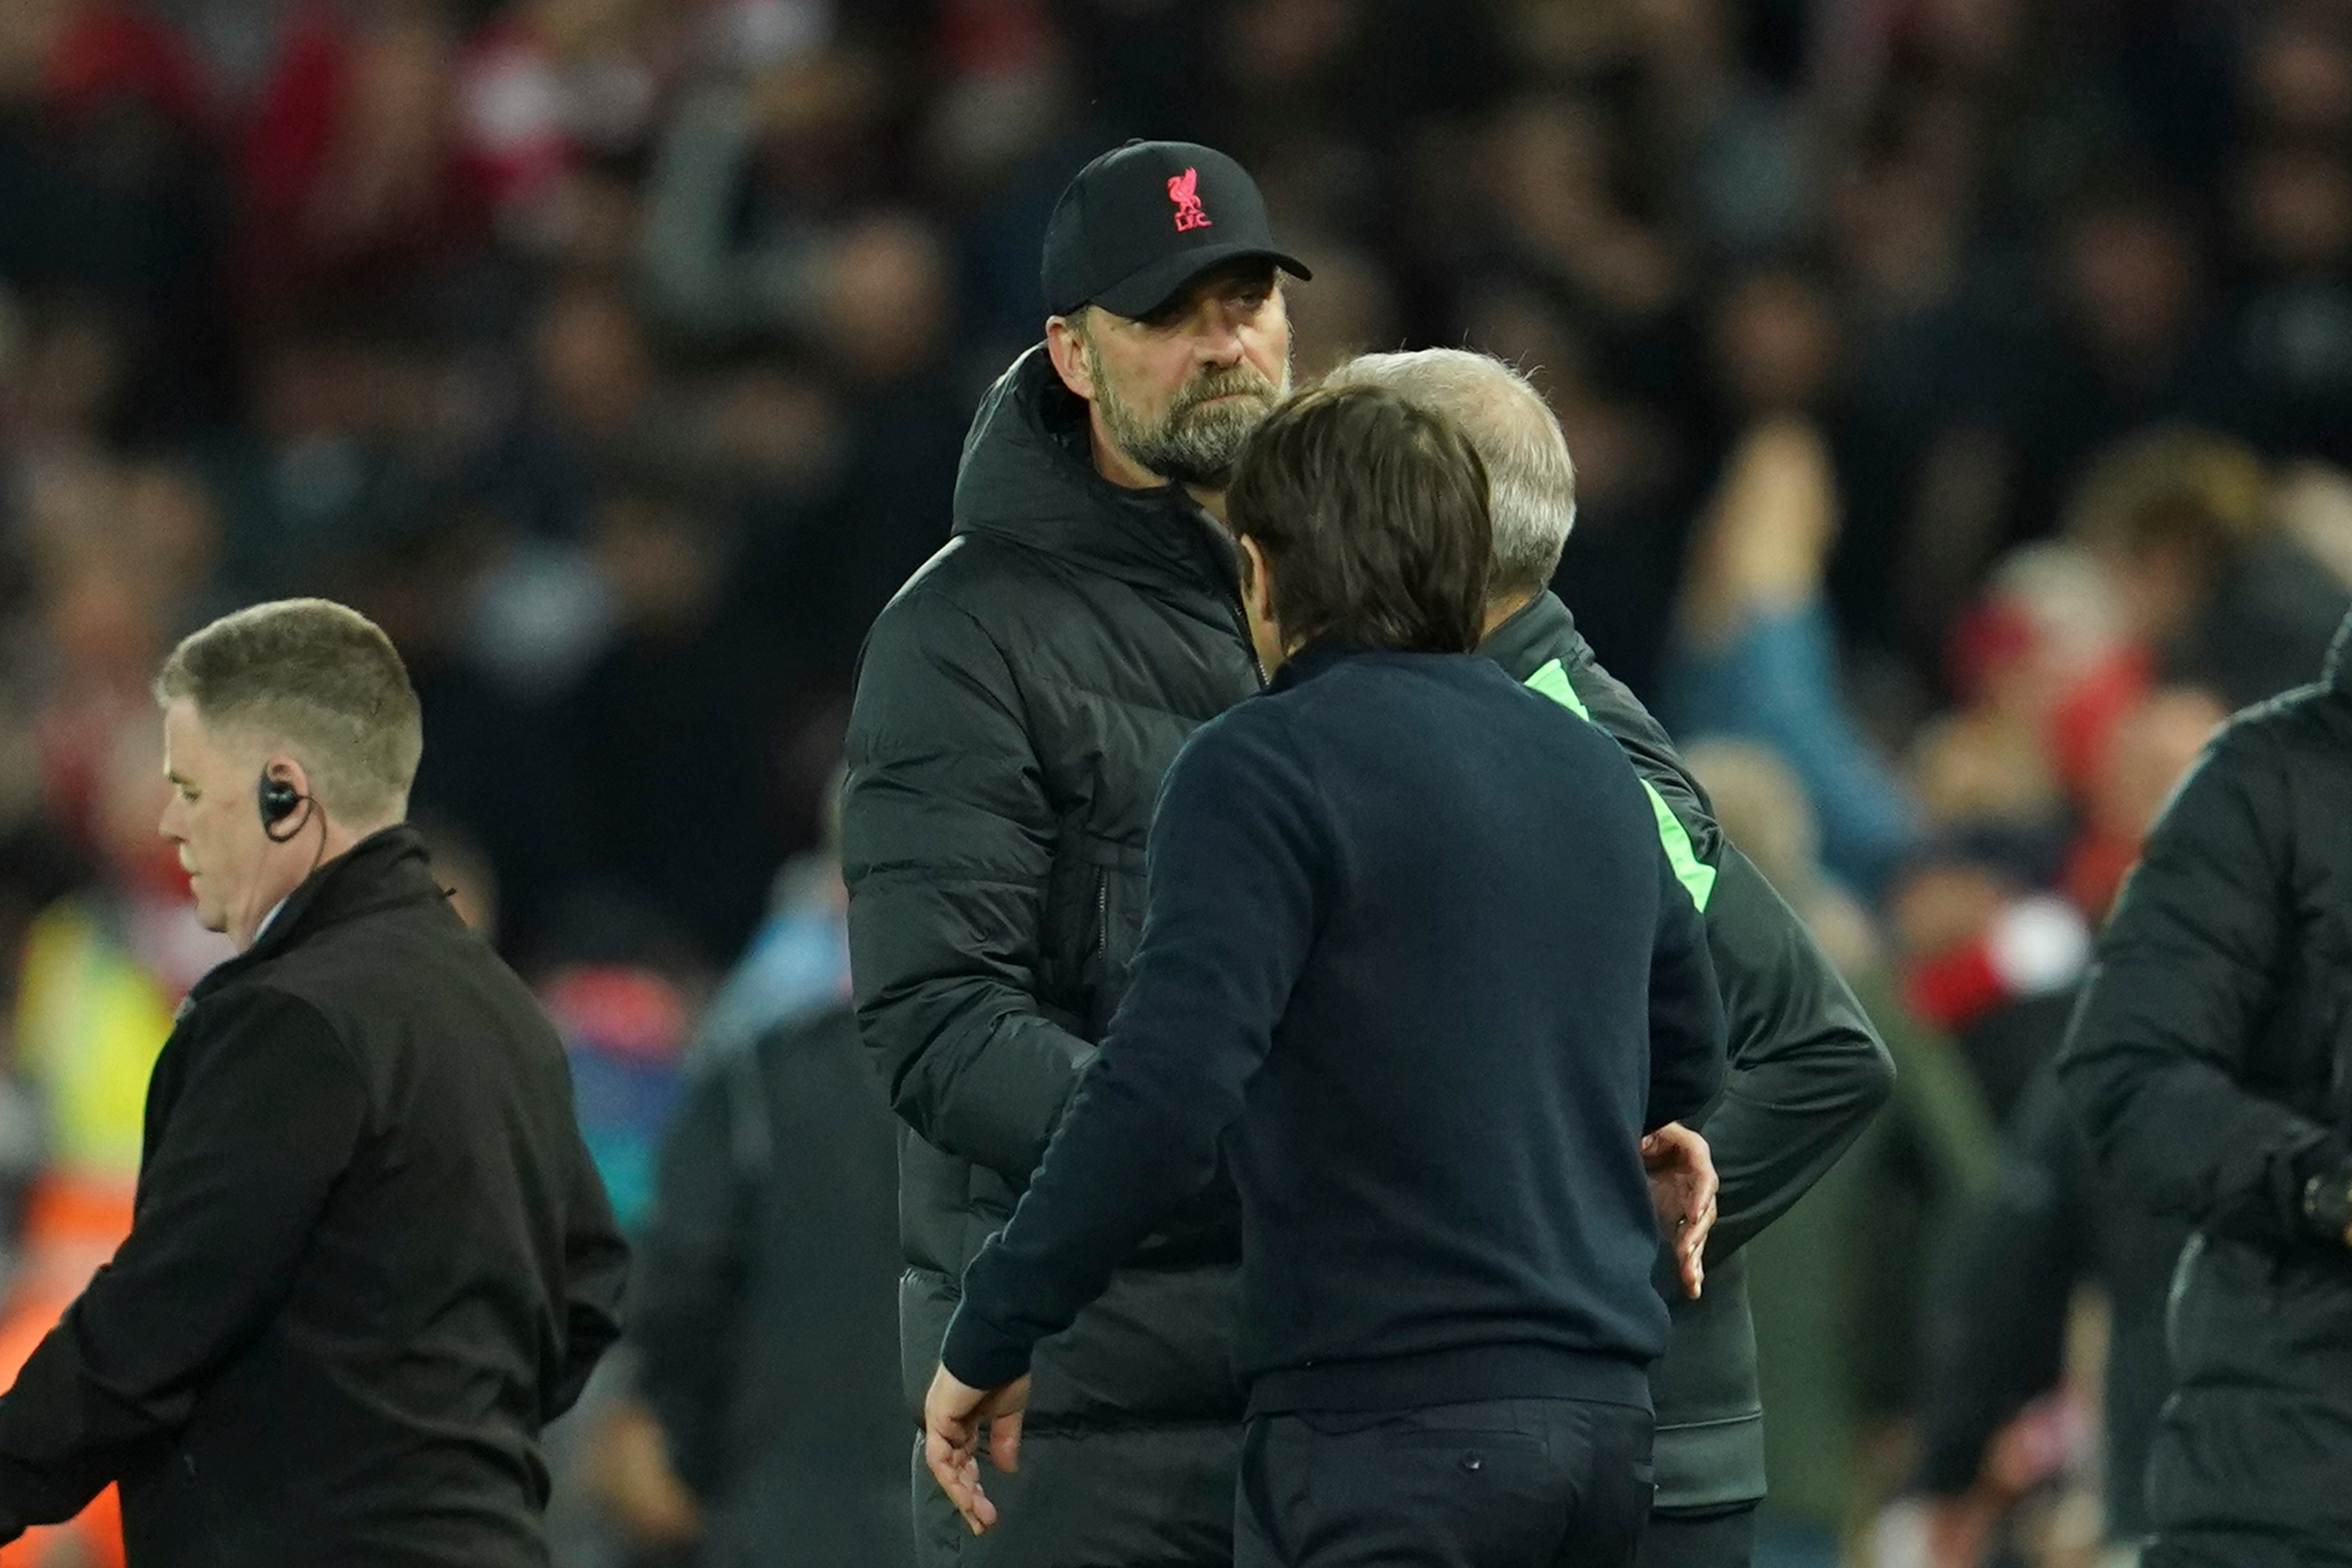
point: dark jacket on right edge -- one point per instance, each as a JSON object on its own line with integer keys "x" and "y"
{"x": 2211, "y": 1068}
{"x": 1808, "y": 1072}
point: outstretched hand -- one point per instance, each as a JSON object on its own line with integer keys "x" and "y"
{"x": 1683, "y": 1186}
{"x": 953, "y": 1414}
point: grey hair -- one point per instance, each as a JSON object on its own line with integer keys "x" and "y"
{"x": 1531, "y": 479}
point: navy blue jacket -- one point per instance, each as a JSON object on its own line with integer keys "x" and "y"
{"x": 1415, "y": 963}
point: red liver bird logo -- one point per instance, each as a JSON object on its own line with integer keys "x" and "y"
{"x": 1184, "y": 190}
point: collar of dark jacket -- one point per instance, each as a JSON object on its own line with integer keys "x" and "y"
{"x": 2339, "y": 658}
{"x": 1541, "y": 631}
{"x": 1027, "y": 476}
{"x": 1312, "y": 660}
{"x": 384, "y": 868}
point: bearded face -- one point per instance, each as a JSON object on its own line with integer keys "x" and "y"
{"x": 1196, "y": 437}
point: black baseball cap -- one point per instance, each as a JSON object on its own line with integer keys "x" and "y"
{"x": 1145, "y": 219}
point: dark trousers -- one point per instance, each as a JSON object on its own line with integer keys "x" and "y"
{"x": 1511, "y": 1483}
{"x": 1139, "y": 1496}
{"x": 1717, "y": 1538}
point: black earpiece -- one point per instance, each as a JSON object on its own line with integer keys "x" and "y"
{"x": 279, "y": 800}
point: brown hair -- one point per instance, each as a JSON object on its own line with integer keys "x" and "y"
{"x": 1372, "y": 514}
{"x": 322, "y": 679}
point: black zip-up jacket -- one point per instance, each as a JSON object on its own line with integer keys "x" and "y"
{"x": 2210, "y": 1064}
{"x": 369, "y": 1259}
{"x": 1434, "y": 1068}
{"x": 1017, "y": 706}
{"x": 1808, "y": 1072}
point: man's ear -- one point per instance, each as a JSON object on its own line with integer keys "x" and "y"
{"x": 288, "y": 769}
{"x": 1256, "y": 593}
{"x": 1068, "y": 352}
{"x": 1267, "y": 638}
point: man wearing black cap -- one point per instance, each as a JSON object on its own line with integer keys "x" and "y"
{"x": 1017, "y": 705}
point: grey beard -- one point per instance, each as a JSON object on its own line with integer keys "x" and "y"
{"x": 1195, "y": 447}
{"x": 1197, "y": 441}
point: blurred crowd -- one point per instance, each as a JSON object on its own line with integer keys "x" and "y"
{"x": 1960, "y": 391}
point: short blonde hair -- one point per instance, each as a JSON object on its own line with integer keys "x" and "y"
{"x": 321, "y": 677}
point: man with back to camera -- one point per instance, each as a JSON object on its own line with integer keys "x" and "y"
{"x": 2210, "y": 1066}
{"x": 370, "y": 1257}
{"x": 1808, "y": 1069}
{"x": 1017, "y": 705}
{"x": 1417, "y": 966}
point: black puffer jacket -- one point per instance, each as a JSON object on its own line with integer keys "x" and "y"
{"x": 2211, "y": 1069}
{"x": 1017, "y": 705}
{"x": 1808, "y": 1072}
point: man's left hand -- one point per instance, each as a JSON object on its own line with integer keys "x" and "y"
{"x": 953, "y": 1414}
{"x": 1683, "y": 1186}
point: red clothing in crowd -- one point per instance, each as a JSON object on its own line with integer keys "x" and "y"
{"x": 106, "y": 51}
{"x": 349, "y": 166}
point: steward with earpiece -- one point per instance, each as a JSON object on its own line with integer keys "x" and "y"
{"x": 369, "y": 1257}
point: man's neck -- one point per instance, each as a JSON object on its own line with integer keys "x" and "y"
{"x": 269, "y": 919}
{"x": 1127, "y": 474}
{"x": 1113, "y": 463}
{"x": 1503, "y": 607}
{"x": 339, "y": 842}
{"x": 244, "y": 939}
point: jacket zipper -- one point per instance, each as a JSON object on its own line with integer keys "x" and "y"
{"x": 1241, "y": 625}
{"x": 1231, "y": 586}
{"x": 1102, "y": 946}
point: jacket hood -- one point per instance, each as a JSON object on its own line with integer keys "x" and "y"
{"x": 2339, "y": 658}
{"x": 1027, "y": 476}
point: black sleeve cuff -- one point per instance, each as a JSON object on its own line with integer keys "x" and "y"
{"x": 981, "y": 1356}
